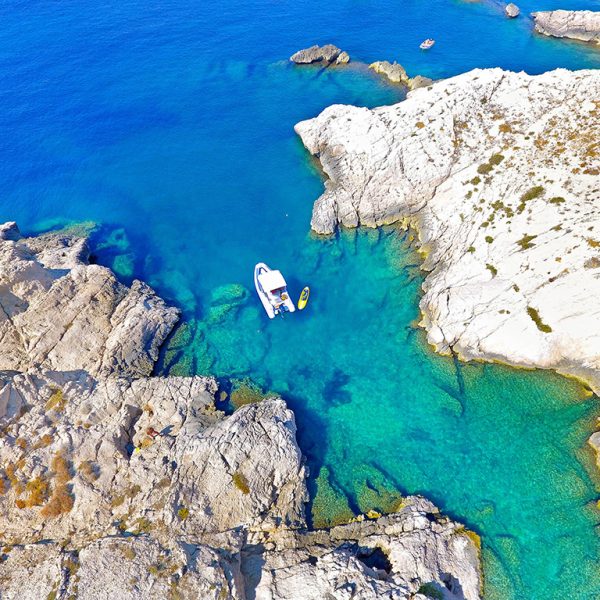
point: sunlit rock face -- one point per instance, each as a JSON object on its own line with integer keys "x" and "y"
{"x": 581, "y": 25}
{"x": 499, "y": 173}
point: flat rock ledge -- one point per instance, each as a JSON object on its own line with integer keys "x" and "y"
{"x": 328, "y": 54}
{"x": 118, "y": 485}
{"x": 581, "y": 25}
{"x": 498, "y": 172}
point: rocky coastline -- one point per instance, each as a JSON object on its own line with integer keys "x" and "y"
{"x": 583, "y": 25}
{"x": 497, "y": 171}
{"x": 114, "y": 483}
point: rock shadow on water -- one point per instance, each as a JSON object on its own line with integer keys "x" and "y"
{"x": 333, "y": 390}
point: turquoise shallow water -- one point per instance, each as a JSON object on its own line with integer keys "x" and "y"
{"x": 171, "y": 124}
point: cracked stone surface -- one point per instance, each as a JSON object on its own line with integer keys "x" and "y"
{"x": 113, "y": 484}
{"x": 498, "y": 173}
{"x": 59, "y": 312}
{"x": 327, "y": 54}
{"x": 581, "y": 25}
{"x": 395, "y": 72}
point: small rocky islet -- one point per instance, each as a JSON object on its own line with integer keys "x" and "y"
{"x": 329, "y": 55}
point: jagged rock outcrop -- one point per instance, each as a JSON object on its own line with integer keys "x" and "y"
{"x": 59, "y": 312}
{"x": 498, "y": 171}
{"x": 393, "y": 71}
{"x": 328, "y": 53}
{"x": 371, "y": 558}
{"x": 135, "y": 568}
{"x": 414, "y": 83}
{"x": 512, "y": 11}
{"x": 139, "y": 487}
{"x": 396, "y": 556}
{"x": 396, "y": 73}
{"x": 574, "y": 24}
{"x": 219, "y": 472}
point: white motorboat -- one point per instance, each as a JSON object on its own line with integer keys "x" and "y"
{"x": 428, "y": 43}
{"x": 272, "y": 291}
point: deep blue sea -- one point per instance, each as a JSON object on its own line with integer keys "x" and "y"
{"x": 170, "y": 125}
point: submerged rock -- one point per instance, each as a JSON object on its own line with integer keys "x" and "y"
{"x": 393, "y": 71}
{"x": 326, "y": 54}
{"x": 499, "y": 173}
{"x": 574, "y": 24}
{"x": 512, "y": 10}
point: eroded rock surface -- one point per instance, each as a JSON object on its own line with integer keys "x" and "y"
{"x": 414, "y": 83}
{"x": 393, "y": 71}
{"x": 499, "y": 173}
{"x": 59, "y": 312}
{"x": 139, "y": 487}
{"x": 396, "y": 73}
{"x": 393, "y": 557}
{"x": 574, "y": 24}
{"x": 220, "y": 473}
{"x": 328, "y": 53}
{"x": 511, "y": 10}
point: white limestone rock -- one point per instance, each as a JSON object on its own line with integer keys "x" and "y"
{"x": 574, "y": 24}
{"x": 393, "y": 71}
{"x": 391, "y": 557}
{"x": 59, "y": 312}
{"x": 328, "y": 54}
{"x": 205, "y": 473}
{"x": 499, "y": 173}
{"x": 414, "y": 83}
{"x": 125, "y": 568}
{"x": 512, "y": 11}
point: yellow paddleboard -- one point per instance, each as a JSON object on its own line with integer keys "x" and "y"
{"x": 303, "y": 300}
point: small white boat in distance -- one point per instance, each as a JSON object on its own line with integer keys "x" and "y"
{"x": 427, "y": 44}
{"x": 272, "y": 290}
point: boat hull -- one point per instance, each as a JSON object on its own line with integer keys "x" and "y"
{"x": 272, "y": 311}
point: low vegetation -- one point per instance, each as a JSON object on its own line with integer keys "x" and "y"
{"x": 61, "y": 500}
{"x": 526, "y": 242}
{"x": 535, "y": 317}
{"x": 240, "y": 482}
{"x": 128, "y": 552}
{"x": 487, "y": 167}
{"x": 37, "y": 493}
{"x": 531, "y": 194}
{"x": 492, "y": 269}
{"x": 57, "y": 401}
